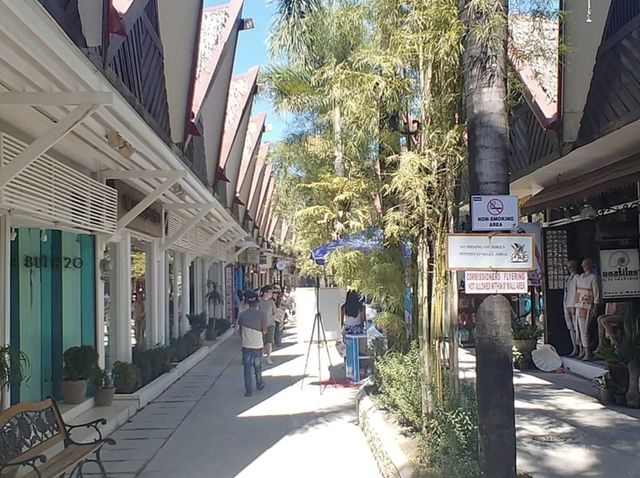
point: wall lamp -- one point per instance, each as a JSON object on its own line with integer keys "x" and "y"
{"x": 117, "y": 142}
{"x": 247, "y": 24}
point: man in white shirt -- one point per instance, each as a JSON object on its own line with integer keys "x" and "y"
{"x": 268, "y": 306}
{"x": 570, "y": 302}
{"x": 253, "y": 324}
{"x": 587, "y": 299}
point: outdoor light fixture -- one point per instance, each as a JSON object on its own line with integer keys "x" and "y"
{"x": 14, "y": 234}
{"x": 117, "y": 142}
{"x": 43, "y": 236}
{"x": 247, "y": 24}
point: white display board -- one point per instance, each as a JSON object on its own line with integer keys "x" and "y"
{"x": 483, "y": 282}
{"x": 494, "y": 213}
{"x": 620, "y": 273}
{"x": 331, "y": 300}
{"x": 490, "y": 252}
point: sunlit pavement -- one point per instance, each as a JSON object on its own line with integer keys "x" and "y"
{"x": 203, "y": 426}
{"x": 565, "y": 433}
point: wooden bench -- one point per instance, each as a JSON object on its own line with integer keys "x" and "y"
{"x": 29, "y": 430}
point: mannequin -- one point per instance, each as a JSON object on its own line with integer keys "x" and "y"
{"x": 569, "y": 304}
{"x": 587, "y": 299}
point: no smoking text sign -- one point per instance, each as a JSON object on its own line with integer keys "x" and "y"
{"x": 494, "y": 213}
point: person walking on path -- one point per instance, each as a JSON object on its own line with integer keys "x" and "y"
{"x": 268, "y": 306}
{"x": 253, "y": 324}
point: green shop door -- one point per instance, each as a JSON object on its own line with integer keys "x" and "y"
{"x": 52, "y": 304}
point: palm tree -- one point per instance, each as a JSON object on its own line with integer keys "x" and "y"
{"x": 485, "y": 71}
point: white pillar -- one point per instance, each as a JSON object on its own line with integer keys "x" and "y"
{"x": 5, "y": 278}
{"x": 198, "y": 292}
{"x": 153, "y": 303}
{"x": 122, "y": 317}
{"x": 162, "y": 297}
{"x": 100, "y": 319}
{"x": 177, "y": 295}
{"x": 186, "y": 293}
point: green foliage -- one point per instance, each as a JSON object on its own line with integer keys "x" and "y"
{"x": 523, "y": 330}
{"x": 628, "y": 348}
{"x": 80, "y": 363}
{"x": 14, "y": 366}
{"x": 222, "y": 325}
{"x": 198, "y": 322}
{"x": 127, "y": 377}
{"x": 450, "y": 446}
{"x": 152, "y": 363}
{"x": 395, "y": 328}
{"x": 398, "y": 378}
{"x": 102, "y": 379}
{"x": 604, "y": 382}
{"x": 184, "y": 346}
{"x": 608, "y": 354}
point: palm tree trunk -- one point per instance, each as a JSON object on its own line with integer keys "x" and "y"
{"x": 485, "y": 63}
{"x": 338, "y": 162}
{"x": 633, "y": 394}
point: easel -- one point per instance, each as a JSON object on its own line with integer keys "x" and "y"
{"x": 318, "y": 328}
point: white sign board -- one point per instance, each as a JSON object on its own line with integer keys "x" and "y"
{"x": 482, "y": 282}
{"x": 490, "y": 252}
{"x": 494, "y": 213}
{"x": 281, "y": 265}
{"x": 620, "y": 273}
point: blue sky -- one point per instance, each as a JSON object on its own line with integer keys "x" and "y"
{"x": 252, "y": 50}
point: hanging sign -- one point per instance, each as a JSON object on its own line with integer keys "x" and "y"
{"x": 482, "y": 282}
{"x": 494, "y": 213}
{"x": 281, "y": 265}
{"x": 490, "y": 252}
{"x": 620, "y": 273}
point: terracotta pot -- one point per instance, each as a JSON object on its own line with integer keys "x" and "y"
{"x": 104, "y": 396}
{"x": 74, "y": 391}
{"x": 525, "y": 346}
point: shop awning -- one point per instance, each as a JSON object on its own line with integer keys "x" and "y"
{"x": 621, "y": 173}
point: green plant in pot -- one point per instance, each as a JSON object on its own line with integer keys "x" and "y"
{"x": 80, "y": 364}
{"x": 606, "y": 388}
{"x": 525, "y": 338}
{"x": 104, "y": 389}
{"x": 14, "y": 366}
{"x": 127, "y": 377}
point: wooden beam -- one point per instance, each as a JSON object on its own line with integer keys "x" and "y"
{"x": 186, "y": 227}
{"x": 53, "y": 98}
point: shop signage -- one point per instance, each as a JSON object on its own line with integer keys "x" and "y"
{"x": 490, "y": 252}
{"x": 250, "y": 256}
{"x": 620, "y": 273}
{"x": 483, "y": 282}
{"x": 281, "y": 265}
{"x": 494, "y": 213}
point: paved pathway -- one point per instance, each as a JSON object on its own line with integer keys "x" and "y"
{"x": 203, "y": 426}
{"x": 563, "y": 432}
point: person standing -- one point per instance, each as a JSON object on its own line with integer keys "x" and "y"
{"x": 279, "y": 319}
{"x": 268, "y": 306}
{"x": 253, "y": 324}
{"x": 587, "y": 299}
{"x": 569, "y": 303}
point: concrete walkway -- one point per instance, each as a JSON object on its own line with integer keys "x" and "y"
{"x": 564, "y": 432}
{"x": 203, "y": 426}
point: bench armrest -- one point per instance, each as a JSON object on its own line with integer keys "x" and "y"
{"x": 93, "y": 424}
{"x": 31, "y": 463}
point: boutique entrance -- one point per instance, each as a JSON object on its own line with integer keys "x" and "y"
{"x": 52, "y": 294}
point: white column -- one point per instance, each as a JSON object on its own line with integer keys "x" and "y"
{"x": 186, "y": 296}
{"x": 162, "y": 297}
{"x": 223, "y": 289}
{"x": 100, "y": 319}
{"x": 177, "y": 294}
{"x": 5, "y": 278}
{"x": 122, "y": 318}
{"x": 153, "y": 304}
{"x": 198, "y": 285}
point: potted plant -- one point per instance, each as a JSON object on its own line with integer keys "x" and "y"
{"x": 606, "y": 388}
{"x": 104, "y": 389}
{"x": 14, "y": 365}
{"x": 127, "y": 377}
{"x": 525, "y": 339}
{"x": 79, "y": 366}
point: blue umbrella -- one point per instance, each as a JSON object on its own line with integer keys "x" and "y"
{"x": 366, "y": 241}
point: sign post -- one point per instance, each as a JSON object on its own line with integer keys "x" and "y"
{"x": 494, "y": 213}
